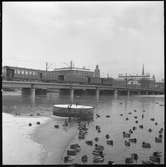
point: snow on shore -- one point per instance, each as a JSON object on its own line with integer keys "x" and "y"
{"x": 18, "y": 147}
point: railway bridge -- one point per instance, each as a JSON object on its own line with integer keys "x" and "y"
{"x": 32, "y": 88}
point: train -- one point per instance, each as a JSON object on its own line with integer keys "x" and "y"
{"x": 11, "y": 73}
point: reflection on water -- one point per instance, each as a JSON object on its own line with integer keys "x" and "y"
{"x": 113, "y": 125}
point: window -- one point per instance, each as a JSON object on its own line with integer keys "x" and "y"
{"x": 22, "y": 71}
{"x": 18, "y": 71}
{"x": 26, "y": 72}
{"x": 30, "y": 72}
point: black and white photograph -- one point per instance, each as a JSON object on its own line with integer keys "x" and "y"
{"x": 83, "y": 83}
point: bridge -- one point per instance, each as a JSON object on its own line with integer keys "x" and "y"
{"x": 33, "y": 87}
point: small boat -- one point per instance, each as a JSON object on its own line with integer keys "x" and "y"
{"x": 67, "y": 159}
{"x": 158, "y": 140}
{"x": 146, "y": 145}
{"x": 133, "y": 140}
{"x": 110, "y": 142}
{"x": 89, "y": 142}
{"x": 157, "y": 154}
{"x": 155, "y": 159}
{"x": 128, "y": 160}
{"x": 127, "y": 143}
{"x": 98, "y": 160}
{"x": 134, "y": 156}
{"x": 95, "y": 152}
{"x": 127, "y": 135}
{"x": 71, "y": 152}
{"x": 73, "y": 110}
{"x": 99, "y": 147}
{"x": 147, "y": 162}
{"x": 74, "y": 146}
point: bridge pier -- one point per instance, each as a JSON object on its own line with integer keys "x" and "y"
{"x": 97, "y": 94}
{"x": 138, "y": 93}
{"x": 33, "y": 95}
{"x": 31, "y": 92}
{"x": 116, "y": 93}
{"x": 72, "y": 95}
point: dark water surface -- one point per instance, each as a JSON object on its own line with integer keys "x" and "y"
{"x": 114, "y": 125}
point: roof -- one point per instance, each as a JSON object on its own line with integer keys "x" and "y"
{"x": 72, "y": 69}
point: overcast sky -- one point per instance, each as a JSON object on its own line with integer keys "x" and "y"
{"x": 118, "y": 36}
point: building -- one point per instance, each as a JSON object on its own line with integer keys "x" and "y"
{"x": 144, "y": 80}
{"x": 97, "y": 72}
{"x": 75, "y": 73}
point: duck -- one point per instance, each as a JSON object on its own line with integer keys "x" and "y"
{"x": 84, "y": 158}
{"x": 141, "y": 126}
{"x": 56, "y": 126}
{"x": 152, "y": 119}
{"x": 156, "y": 123}
{"x": 134, "y": 128}
{"x": 30, "y": 124}
{"x": 142, "y": 116}
{"x": 127, "y": 143}
{"x": 130, "y": 131}
{"x": 97, "y": 115}
{"x": 110, "y": 142}
{"x": 107, "y": 136}
{"x": 134, "y": 156}
{"x": 96, "y": 139}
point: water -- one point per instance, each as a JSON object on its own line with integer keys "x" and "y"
{"x": 114, "y": 126}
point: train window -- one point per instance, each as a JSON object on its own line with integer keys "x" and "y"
{"x": 30, "y": 72}
{"x": 18, "y": 71}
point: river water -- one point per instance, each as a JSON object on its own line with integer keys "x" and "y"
{"x": 153, "y": 105}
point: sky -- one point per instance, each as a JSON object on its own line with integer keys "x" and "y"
{"x": 118, "y": 36}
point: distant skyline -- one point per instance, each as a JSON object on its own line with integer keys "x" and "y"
{"x": 118, "y": 36}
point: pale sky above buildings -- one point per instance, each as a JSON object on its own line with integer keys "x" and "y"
{"x": 118, "y": 36}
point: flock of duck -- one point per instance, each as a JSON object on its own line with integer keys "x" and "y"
{"x": 98, "y": 151}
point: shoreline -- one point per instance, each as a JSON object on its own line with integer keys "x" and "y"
{"x": 56, "y": 142}
{"x": 37, "y": 144}
{"x": 18, "y": 147}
